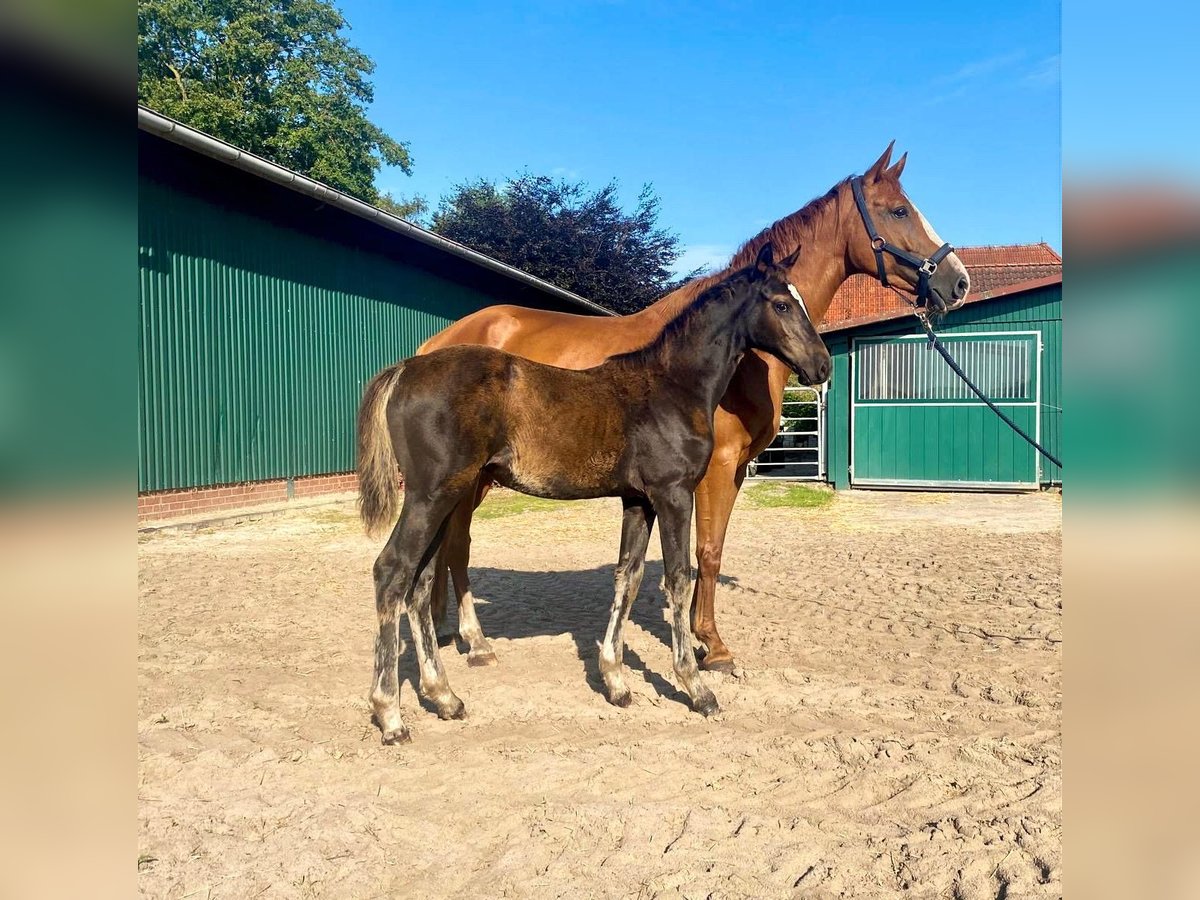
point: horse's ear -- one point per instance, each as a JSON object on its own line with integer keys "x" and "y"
{"x": 894, "y": 171}
{"x": 878, "y": 167}
{"x": 766, "y": 258}
{"x": 791, "y": 260}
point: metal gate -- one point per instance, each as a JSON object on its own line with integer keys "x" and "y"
{"x": 913, "y": 423}
{"x": 798, "y": 451}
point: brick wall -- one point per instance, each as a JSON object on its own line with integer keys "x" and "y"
{"x": 172, "y": 504}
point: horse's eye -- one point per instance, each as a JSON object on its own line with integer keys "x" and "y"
{"x": 781, "y": 307}
{"x": 900, "y": 212}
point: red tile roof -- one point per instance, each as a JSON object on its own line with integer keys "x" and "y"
{"x": 994, "y": 270}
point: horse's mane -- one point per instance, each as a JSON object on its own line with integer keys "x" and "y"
{"x": 795, "y": 229}
{"x": 799, "y": 228}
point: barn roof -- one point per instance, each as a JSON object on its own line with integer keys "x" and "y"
{"x": 996, "y": 270}
{"x": 165, "y": 127}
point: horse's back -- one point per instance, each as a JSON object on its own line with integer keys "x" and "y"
{"x": 558, "y": 339}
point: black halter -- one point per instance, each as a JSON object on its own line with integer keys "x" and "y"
{"x": 925, "y": 267}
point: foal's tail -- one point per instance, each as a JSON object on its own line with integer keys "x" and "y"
{"x": 378, "y": 486}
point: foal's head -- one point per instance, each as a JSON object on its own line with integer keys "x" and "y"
{"x": 778, "y": 320}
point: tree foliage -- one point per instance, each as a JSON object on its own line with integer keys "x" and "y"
{"x": 579, "y": 240}
{"x": 275, "y": 77}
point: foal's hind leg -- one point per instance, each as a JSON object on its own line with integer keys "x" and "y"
{"x": 635, "y": 535}
{"x": 407, "y": 551}
{"x": 434, "y": 684}
{"x": 674, "y": 508}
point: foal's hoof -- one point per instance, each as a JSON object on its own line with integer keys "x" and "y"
{"x": 482, "y": 659}
{"x": 396, "y": 736}
{"x": 454, "y": 710}
{"x": 717, "y": 665}
{"x": 707, "y": 706}
{"x": 622, "y": 699}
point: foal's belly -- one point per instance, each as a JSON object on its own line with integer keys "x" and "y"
{"x": 557, "y": 464}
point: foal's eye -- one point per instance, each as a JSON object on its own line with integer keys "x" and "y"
{"x": 781, "y": 307}
{"x": 900, "y": 212}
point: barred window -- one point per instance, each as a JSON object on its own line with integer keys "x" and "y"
{"x": 1003, "y": 368}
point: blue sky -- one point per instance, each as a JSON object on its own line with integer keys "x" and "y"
{"x": 736, "y": 113}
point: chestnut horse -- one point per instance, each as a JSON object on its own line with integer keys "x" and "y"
{"x": 836, "y": 245}
{"x": 637, "y": 426}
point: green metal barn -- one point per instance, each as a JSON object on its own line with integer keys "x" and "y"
{"x": 898, "y": 417}
{"x": 267, "y": 300}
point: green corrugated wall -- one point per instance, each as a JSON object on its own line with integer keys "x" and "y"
{"x": 1037, "y": 310}
{"x": 256, "y": 340}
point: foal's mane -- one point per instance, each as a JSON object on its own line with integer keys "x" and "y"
{"x": 722, "y": 289}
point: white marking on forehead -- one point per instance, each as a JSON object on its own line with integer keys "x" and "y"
{"x": 795, "y": 293}
{"x": 929, "y": 232}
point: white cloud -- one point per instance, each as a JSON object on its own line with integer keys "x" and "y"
{"x": 973, "y": 70}
{"x": 1044, "y": 73}
{"x": 565, "y": 172}
{"x": 706, "y": 256}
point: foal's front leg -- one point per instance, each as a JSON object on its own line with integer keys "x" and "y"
{"x": 674, "y": 508}
{"x": 635, "y": 536}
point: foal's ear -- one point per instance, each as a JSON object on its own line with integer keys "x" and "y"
{"x": 766, "y": 258}
{"x": 790, "y": 261}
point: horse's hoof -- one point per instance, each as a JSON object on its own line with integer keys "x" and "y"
{"x": 455, "y": 710}
{"x": 397, "y": 736}
{"x": 708, "y": 706}
{"x": 482, "y": 659}
{"x": 623, "y": 699}
{"x": 724, "y": 666}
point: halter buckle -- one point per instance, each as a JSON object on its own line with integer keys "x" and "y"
{"x": 877, "y": 244}
{"x": 928, "y": 267}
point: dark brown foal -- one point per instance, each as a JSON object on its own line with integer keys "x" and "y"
{"x": 638, "y": 427}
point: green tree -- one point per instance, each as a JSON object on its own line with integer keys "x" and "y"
{"x": 579, "y": 240}
{"x": 275, "y": 77}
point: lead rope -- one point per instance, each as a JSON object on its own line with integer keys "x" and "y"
{"x": 945, "y": 354}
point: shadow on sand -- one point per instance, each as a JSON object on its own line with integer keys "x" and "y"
{"x": 516, "y": 605}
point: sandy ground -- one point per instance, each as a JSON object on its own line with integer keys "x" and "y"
{"x": 894, "y": 726}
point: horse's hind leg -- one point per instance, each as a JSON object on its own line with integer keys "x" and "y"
{"x": 407, "y": 550}
{"x": 674, "y": 508}
{"x": 635, "y": 536}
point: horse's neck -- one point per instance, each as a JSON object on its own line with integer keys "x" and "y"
{"x": 824, "y": 262}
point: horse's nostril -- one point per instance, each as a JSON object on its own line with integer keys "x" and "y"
{"x": 960, "y": 289}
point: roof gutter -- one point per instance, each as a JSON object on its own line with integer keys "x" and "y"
{"x": 178, "y": 133}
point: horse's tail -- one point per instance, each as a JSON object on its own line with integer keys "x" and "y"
{"x": 378, "y": 486}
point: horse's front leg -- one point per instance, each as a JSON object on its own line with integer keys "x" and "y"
{"x": 715, "y": 497}
{"x": 674, "y": 508}
{"x": 627, "y": 579}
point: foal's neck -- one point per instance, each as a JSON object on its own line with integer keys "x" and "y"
{"x": 699, "y": 349}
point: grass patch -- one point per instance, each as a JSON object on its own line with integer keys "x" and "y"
{"x": 499, "y": 504}
{"x": 335, "y": 515}
{"x": 766, "y": 495}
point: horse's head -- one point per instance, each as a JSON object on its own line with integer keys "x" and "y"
{"x": 779, "y": 322}
{"x": 883, "y": 221}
